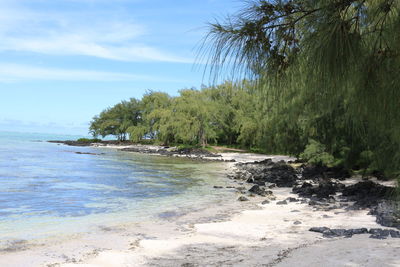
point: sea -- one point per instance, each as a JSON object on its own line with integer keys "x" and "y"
{"x": 49, "y": 189}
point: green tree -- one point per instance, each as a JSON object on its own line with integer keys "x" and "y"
{"x": 194, "y": 117}
{"x": 328, "y": 70}
{"x": 152, "y": 107}
{"x": 117, "y": 120}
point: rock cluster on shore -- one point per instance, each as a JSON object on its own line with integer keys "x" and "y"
{"x": 266, "y": 172}
{"x": 197, "y": 153}
{"x": 127, "y": 146}
{"x": 322, "y": 188}
{"x": 374, "y": 232}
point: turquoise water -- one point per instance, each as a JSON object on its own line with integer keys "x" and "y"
{"x": 47, "y": 189}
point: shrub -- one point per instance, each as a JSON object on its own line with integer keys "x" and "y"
{"x": 315, "y": 153}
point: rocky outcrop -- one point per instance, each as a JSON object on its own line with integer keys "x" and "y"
{"x": 172, "y": 151}
{"x": 367, "y": 194}
{"x": 312, "y": 172}
{"x": 387, "y": 213}
{"x": 323, "y": 190}
{"x": 316, "y": 187}
{"x": 258, "y": 190}
{"x": 374, "y": 232}
{"x": 127, "y": 146}
{"x": 266, "y": 171}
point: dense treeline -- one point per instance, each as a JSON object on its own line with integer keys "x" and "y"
{"x": 226, "y": 114}
{"x": 324, "y": 84}
{"x": 329, "y": 71}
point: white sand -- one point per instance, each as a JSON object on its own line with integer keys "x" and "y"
{"x": 259, "y": 235}
{"x": 265, "y": 237}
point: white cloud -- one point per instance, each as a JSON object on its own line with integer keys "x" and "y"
{"x": 101, "y": 34}
{"x": 12, "y": 126}
{"x": 16, "y": 73}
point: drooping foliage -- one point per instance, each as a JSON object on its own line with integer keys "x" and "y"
{"x": 327, "y": 71}
{"x": 219, "y": 114}
{"x": 116, "y": 120}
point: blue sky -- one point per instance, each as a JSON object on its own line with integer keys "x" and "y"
{"x": 63, "y": 61}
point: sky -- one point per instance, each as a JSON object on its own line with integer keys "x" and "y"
{"x": 64, "y": 61}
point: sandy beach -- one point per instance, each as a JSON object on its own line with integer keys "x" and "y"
{"x": 266, "y": 236}
{"x": 230, "y": 233}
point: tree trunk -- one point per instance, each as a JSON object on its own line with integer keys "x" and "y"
{"x": 203, "y": 139}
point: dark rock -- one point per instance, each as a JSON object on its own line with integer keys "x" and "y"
{"x": 257, "y": 182}
{"x": 264, "y": 162}
{"x": 292, "y": 199}
{"x": 295, "y": 211}
{"x": 313, "y": 172}
{"x": 394, "y": 234}
{"x": 218, "y": 187}
{"x": 269, "y": 193}
{"x": 89, "y": 153}
{"x": 266, "y": 171}
{"x": 283, "y": 202}
{"x": 317, "y": 203}
{"x": 297, "y": 222}
{"x": 318, "y": 229}
{"x": 194, "y": 152}
{"x": 377, "y": 233}
{"x": 256, "y": 189}
{"x": 359, "y": 231}
{"x": 330, "y": 233}
{"x": 387, "y": 213}
{"x": 265, "y": 202}
{"x": 367, "y": 194}
{"x": 304, "y": 190}
{"x": 379, "y": 175}
{"x": 282, "y": 175}
{"x": 242, "y": 198}
{"x": 323, "y": 190}
{"x": 337, "y": 233}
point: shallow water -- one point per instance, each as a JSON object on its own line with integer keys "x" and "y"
{"x": 48, "y": 189}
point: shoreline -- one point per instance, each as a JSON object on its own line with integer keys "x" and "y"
{"x": 235, "y": 233}
{"x": 285, "y": 225}
{"x": 190, "y": 153}
{"x": 262, "y": 235}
